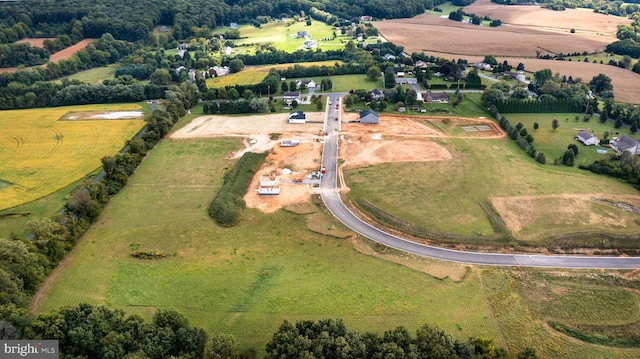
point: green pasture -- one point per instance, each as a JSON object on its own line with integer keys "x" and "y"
{"x": 346, "y": 83}
{"x": 14, "y": 220}
{"x": 95, "y": 75}
{"x": 283, "y": 35}
{"x": 523, "y": 324}
{"x": 553, "y": 143}
{"x": 245, "y": 280}
{"x": 445, "y": 195}
{"x": 446, "y": 8}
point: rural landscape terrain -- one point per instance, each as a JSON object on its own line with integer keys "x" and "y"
{"x": 134, "y": 152}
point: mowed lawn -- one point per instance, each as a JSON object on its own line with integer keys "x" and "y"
{"x": 284, "y": 37}
{"x": 445, "y": 195}
{"x": 40, "y": 155}
{"x": 247, "y": 279}
{"x": 95, "y": 75}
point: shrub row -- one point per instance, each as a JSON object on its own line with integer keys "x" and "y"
{"x": 523, "y": 139}
{"x": 146, "y": 254}
{"x": 228, "y": 204}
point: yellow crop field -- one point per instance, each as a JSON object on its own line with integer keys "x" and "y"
{"x": 255, "y": 74}
{"x": 41, "y": 154}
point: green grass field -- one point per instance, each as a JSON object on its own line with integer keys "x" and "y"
{"x": 518, "y": 315}
{"x": 554, "y": 142}
{"x": 283, "y": 35}
{"x": 485, "y": 169}
{"x": 95, "y": 75}
{"x": 247, "y": 279}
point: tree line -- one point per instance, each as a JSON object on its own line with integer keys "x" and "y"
{"x": 129, "y": 22}
{"x": 88, "y": 331}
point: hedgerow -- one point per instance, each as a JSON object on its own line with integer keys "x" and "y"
{"x": 227, "y": 206}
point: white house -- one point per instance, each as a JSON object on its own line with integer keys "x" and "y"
{"x": 289, "y": 97}
{"x": 269, "y": 185}
{"x": 307, "y": 84}
{"x": 297, "y": 117}
{"x": 625, "y": 143}
{"x": 587, "y": 138}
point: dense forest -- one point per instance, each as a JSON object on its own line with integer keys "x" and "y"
{"x": 133, "y": 22}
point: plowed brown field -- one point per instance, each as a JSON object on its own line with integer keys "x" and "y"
{"x": 60, "y": 55}
{"x": 530, "y": 30}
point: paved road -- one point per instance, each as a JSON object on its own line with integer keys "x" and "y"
{"x": 334, "y": 203}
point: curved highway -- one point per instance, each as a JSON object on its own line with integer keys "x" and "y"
{"x": 334, "y": 203}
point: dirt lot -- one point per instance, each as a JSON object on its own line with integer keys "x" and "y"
{"x": 39, "y": 42}
{"x": 395, "y": 139}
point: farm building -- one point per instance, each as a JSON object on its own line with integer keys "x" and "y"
{"x": 436, "y": 97}
{"x": 625, "y": 143}
{"x": 297, "y": 117}
{"x": 302, "y": 35}
{"x": 234, "y": 25}
{"x": 587, "y": 138}
{"x": 269, "y": 185}
{"x": 369, "y": 116}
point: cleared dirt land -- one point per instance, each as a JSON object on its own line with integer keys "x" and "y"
{"x": 446, "y": 36}
{"x": 582, "y": 20}
{"x": 395, "y": 139}
{"x": 39, "y": 42}
{"x": 60, "y": 55}
{"x": 528, "y": 30}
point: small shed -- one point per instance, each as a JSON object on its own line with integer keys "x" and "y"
{"x": 369, "y": 116}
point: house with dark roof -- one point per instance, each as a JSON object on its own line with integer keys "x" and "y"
{"x": 297, "y": 117}
{"x": 302, "y": 35}
{"x": 376, "y": 94}
{"x": 289, "y": 97}
{"x": 587, "y": 138}
{"x": 369, "y": 116}
{"x": 625, "y": 143}
{"x": 436, "y": 97}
